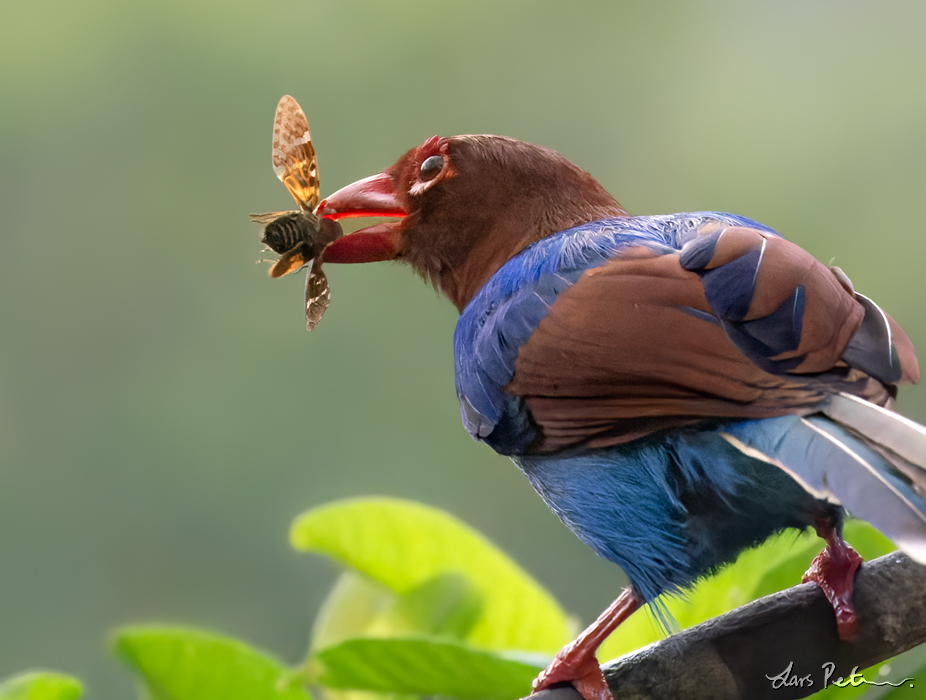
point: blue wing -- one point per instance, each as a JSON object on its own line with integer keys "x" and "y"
{"x": 609, "y": 331}
{"x": 507, "y": 310}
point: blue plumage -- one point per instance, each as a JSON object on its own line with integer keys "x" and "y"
{"x": 808, "y": 447}
{"x": 677, "y": 388}
{"x": 677, "y": 504}
{"x": 671, "y": 508}
{"x": 505, "y": 312}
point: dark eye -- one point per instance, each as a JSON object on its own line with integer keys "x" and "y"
{"x": 430, "y": 168}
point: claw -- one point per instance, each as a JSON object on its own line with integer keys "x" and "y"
{"x": 579, "y": 667}
{"x": 576, "y": 662}
{"x": 834, "y": 571}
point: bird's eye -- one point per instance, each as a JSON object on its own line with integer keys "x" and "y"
{"x": 430, "y": 168}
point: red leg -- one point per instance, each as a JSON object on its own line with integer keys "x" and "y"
{"x": 576, "y": 662}
{"x": 834, "y": 571}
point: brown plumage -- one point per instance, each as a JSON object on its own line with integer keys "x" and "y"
{"x": 493, "y": 197}
{"x": 618, "y": 356}
{"x": 615, "y": 359}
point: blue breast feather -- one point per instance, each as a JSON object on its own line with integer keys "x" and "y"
{"x": 671, "y": 508}
{"x": 506, "y": 311}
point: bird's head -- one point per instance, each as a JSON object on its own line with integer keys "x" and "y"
{"x": 467, "y": 204}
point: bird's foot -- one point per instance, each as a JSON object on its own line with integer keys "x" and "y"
{"x": 834, "y": 571}
{"x": 577, "y": 665}
{"x": 576, "y": 662}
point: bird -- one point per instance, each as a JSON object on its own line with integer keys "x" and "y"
{"x": 677, "y": 388}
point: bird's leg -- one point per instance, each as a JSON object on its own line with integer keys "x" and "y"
{"x": 834, "y": 571}
{"x": 576, "y": 662}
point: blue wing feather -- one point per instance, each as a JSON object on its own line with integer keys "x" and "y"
{"x": 507, "y": 310}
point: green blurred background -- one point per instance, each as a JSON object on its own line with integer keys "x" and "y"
{"x": 163, "y": 412}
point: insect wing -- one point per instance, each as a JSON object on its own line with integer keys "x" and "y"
{"x": 293, "y": 155}
{"x": 288, "y": 262}
{"x": 265, "y": 219}
{"x": 317, "y": 294}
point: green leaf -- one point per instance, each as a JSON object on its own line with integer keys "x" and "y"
{"x": 446, "y": 605}
{"x": 405, "y": 545}
{"x": 358, "y": 606}
{"x": 181, "y": 664}
{"x": 426, "y": 667}
{"x": 776, "y": 565}
{"x": 353, "y": 605}
{"x": 867, "y": 541}
{"x": 40, "y": 685}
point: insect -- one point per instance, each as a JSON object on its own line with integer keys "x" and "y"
{"x": 299, "y": 237}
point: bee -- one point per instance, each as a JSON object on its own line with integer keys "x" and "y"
{"x": 298, "y": 237}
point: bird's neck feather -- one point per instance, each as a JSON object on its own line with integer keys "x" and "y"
{"x": 504, "y": 196}
{"x": 503, "y": 238}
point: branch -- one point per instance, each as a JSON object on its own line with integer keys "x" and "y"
{"x": 733, "y": 657}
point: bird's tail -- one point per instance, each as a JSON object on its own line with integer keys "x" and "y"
{"x": 869, "y": 459}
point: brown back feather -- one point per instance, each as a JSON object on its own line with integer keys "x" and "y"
{"x": 617, "y": 357}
